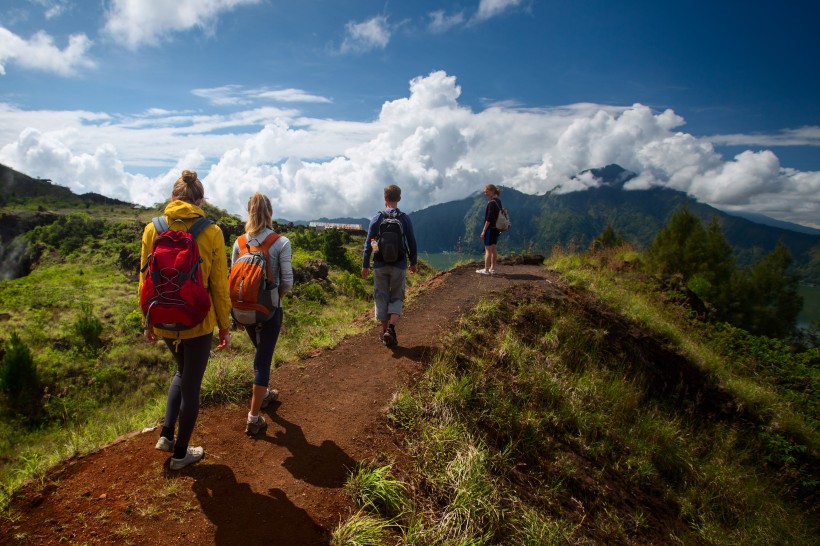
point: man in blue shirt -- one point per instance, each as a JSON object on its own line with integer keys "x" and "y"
{"x": 390, "y": 263}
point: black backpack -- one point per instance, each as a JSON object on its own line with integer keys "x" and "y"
{"x": 392, "y": 245}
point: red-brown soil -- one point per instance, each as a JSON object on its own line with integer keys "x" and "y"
{"x": 283, "y": 488}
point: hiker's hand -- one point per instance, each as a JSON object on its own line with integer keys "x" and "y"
{"x": 224, "y": 339}
{"x": 149, "y": 334}
{"x": 482, "y": 235}
{"x": 412, "y": 268}
{"x": 365, "y": 272}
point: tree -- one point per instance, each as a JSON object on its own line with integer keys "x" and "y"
{"x": 608, "y": 238}
{"x": 772, "y": 298}
{"x": 18, "y": 379}
{"x": 679, "y": 246}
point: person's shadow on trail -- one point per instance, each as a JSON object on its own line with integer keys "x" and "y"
{"x": 416, "y": 354}
{"x": 325, "y": 465}
{"x": 242, "y": 516}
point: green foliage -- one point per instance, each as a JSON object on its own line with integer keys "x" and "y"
{"x": 763, "y": 300}
{"x": 18, "y": 379}
{"x": 311, "y": 291}
{"x": 305, "y": 238}
{"x": 333, "y": 241}
{"x": 608, "y": 239}
{"x": 351, "y": 285}
{"x": 88, "y": 327}
{"x": 376, "y": 489}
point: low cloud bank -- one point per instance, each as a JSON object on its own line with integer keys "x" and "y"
{"x": 433, "y": 147}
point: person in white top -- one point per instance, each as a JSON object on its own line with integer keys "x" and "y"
{"x": 265, "y": 335}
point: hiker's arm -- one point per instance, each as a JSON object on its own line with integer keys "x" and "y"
{"x": 218, "y": 279}
{"x": 285, "y": 269}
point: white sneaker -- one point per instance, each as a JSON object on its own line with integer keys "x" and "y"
{"x": 491, "y": 271}
{"x": 482, "y": 271}
{"x": 164, "y": 444}
{"x": 270, "y": 397}
{"x": 194, "y": 455}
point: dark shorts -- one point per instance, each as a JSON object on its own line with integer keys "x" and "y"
{"x": 491, "y": 237}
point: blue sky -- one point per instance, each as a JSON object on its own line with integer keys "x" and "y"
{"x": 320, "y": 104}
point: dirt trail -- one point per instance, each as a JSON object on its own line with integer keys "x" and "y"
{"x": 286, "y": 487}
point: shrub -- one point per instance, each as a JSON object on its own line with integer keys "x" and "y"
{"x": 312, "y": 291}
{"x": 18, "y": 379}
{"x": 88, "y": 327}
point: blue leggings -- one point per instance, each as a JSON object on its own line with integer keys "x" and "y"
{"x": 264, "y": 336}
{"x": 191, "y": 356}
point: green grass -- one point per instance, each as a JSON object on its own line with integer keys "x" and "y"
{"x": 535, "y": 421}
{"x": 78, "y": 316}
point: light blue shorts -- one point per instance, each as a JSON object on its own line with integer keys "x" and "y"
{"x": 388, "y": 290}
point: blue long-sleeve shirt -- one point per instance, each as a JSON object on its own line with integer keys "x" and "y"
{"x": 373, "y": 233}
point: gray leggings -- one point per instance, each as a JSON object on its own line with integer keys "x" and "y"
{"x": 191, "y": 356}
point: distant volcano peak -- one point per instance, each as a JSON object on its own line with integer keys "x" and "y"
{"x": 612, "y": 175}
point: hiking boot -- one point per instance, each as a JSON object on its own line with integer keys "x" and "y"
{"x": 389, "y": 337}
{"x": 257, "y": 427}
{"x": 270, "y": 397}
{"x": 193, "y": 455}
{"x": 164, "y": 444}
{"x": 482, "y": 271}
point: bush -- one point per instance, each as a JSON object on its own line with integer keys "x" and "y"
{"x": 18, "y": 379}
{"x": 311, "y": 291}
{"x": 351, "y": 285}
{"x": 88, "y": 327}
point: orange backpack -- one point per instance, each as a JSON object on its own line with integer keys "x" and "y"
{"x": 254, "y": 295}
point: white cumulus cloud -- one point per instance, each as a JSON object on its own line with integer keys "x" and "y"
{"x": 148, "y": 22}
{"x": 40, "y": 53}
{"x": 428, "y": 143}
{"x": 367, "y": 35}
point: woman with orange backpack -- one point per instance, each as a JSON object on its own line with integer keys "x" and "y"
{"x": 190, "y": 344}
{"x": 256, "y": 297}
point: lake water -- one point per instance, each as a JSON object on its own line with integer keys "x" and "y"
{"x": 442, "y": 261}
{"x": 811, "y": 294}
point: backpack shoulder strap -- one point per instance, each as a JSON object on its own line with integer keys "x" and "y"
{"x": 199, "y": 226}
{"x": 160, "y": 224}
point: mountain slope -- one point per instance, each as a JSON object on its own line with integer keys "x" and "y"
{"x": 542, "y": 221}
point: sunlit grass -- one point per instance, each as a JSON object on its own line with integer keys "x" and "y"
{"x": 531, "y": 416}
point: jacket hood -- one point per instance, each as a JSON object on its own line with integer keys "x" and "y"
{"x": 183, "y": 210}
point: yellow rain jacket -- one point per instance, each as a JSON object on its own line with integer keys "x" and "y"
{"x": 214, "y": 268}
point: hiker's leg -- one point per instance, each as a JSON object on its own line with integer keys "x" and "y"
{"x": 195, "y": 353}
{"x": 267, "y": 334}
{"x": 381, "y": 293}
{"x": 491, "y": 248}
{"x": 398, "y": 281}
{"x": 174, "y": 398}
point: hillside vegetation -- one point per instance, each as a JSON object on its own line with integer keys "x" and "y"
{"x": 628, "y": 404}
{"x": 598, "y": 412}
{"x": 74, "y": 371}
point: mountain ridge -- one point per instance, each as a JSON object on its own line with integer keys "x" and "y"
{"x": 541, "y": 222}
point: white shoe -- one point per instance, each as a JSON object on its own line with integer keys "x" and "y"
{"x": 194, "y": 455}
{"x": 482, "y": 271}
{"x": 164, "y": 444}
{"x": 271, "y": 396}
{"x": 491, "y": 271}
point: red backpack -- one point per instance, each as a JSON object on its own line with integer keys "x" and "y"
{"x": 254, "y": 294}
{"x": 173, "y": 295}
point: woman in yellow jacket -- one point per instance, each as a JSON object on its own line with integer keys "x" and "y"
{"x": 191, "y": 348}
